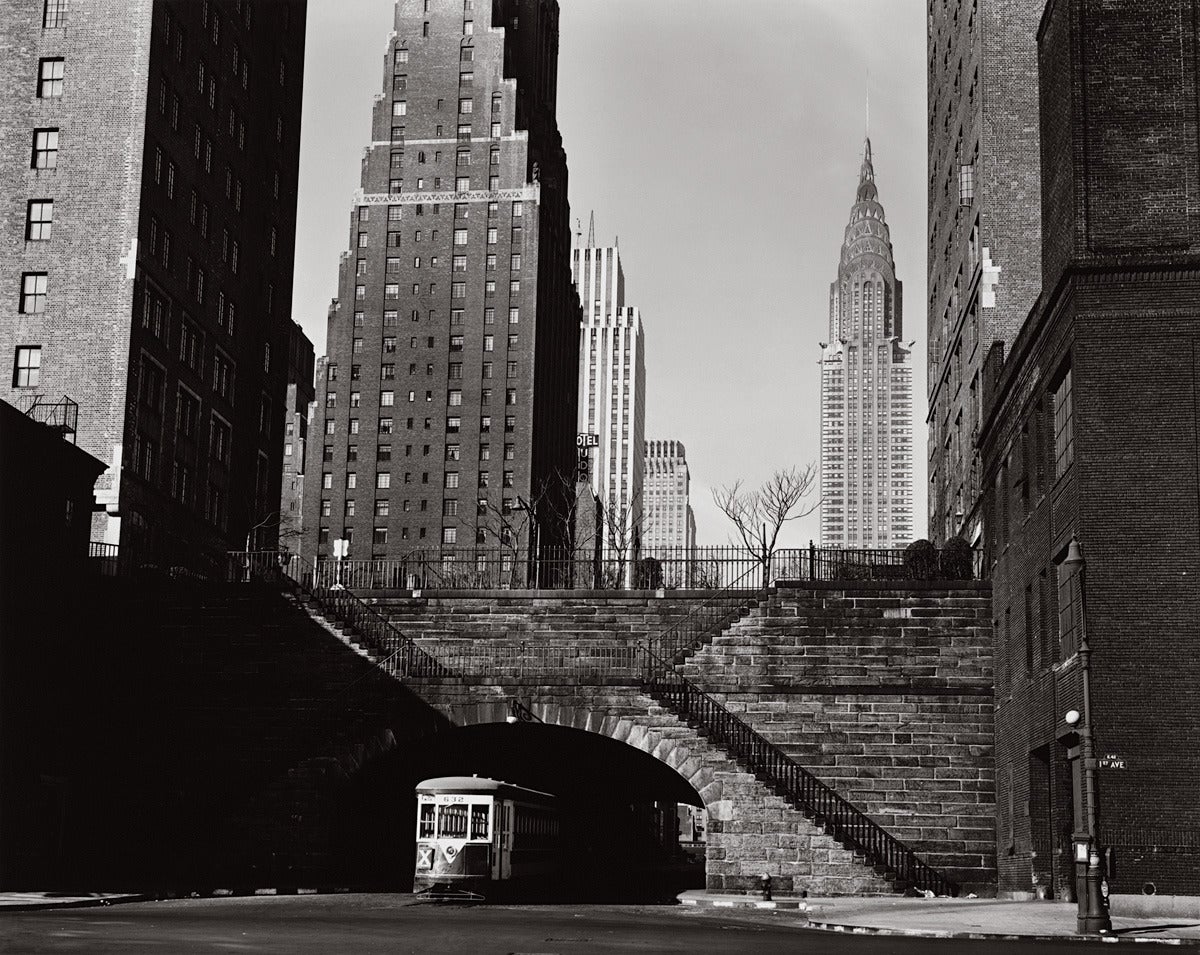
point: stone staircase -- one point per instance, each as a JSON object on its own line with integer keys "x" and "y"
{"x": 753, "y": 831}
{"x": 884, "y": 695}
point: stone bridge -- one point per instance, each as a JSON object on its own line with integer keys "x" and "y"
{"x": 871, "y": 698}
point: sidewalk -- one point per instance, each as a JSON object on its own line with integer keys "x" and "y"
{"x": 957, "y": 917}
{"x": 25, "y": 901}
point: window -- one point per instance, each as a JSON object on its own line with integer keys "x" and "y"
{"x": 451, "y": 479}
{"x": 1064, "y": 444}
{"x": 456, "y": 342}
{"x": 45, "y": 149}
{"x": 966, "y": 185}
{"x": 485, "y": 424}
{"x": 385, "y": 425}
{"x": 387, "y": 399}
{"x": 460, "y": 236}
{"x": 1069, "y": 622}
{"x": 38, "y": 220}
{"x": 510, "y": 396}
{"x": 515, "y": 262}
{"x": 399, "y": 108}
{"x": 493, "y": 235}
{"x": 514, "y": 316}
{"x": 510, "y": 423}
{"x": 383, "y": 480}
{"x": 33, "y": 292}
{"x": 454, "y": 398}
{"x": 54, "y": 14}
{"x": 50, "y": 78}
{"x": 187, "y": 413}
{"x": 27, "y": 369}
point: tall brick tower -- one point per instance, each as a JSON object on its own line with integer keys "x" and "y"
{"x": 146, "y": 238}
{"x": 448, "y": 399}
{"x": 866, "y": 389}
{"x": 984, "y": 229}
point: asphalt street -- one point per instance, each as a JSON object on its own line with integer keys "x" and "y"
{"x": 394, "y": 924}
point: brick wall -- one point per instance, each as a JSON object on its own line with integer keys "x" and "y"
{"x": 1119, "y": 313}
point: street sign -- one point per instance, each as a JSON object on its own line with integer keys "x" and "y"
{"x": 1112, "y": 761}
{"x": 587, "y": 440}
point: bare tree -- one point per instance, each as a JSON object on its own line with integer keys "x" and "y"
{"x": 759, "y": 515}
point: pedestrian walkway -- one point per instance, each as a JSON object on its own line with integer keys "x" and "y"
{"x": 942, "y": 917}
{"x": 24, "y": 901}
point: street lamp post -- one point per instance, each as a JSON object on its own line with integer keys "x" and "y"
{"x": 1093, "y": 917}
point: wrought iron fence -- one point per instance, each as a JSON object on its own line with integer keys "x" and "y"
{"x": 652, "y": 667}
{"x": 710, "y": 569}
{"x": 104, "y": 559}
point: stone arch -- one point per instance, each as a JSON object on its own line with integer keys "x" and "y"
{"x": 670, "y": 750}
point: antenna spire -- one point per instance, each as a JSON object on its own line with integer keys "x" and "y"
{"x": 592, "y": 229}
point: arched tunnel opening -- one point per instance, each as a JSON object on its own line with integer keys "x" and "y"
{"x": 630, "y": 827}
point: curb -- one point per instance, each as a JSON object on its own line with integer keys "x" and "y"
{"x": 180, "y": 896}
{"x": 728, "y": 903}
{"x": 77, "y": 903}
{"x": 844, "y": 929}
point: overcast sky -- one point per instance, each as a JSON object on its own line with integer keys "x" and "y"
{"x": 721, "y": 143}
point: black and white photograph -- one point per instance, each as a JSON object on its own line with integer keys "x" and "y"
{"x": 564, "y": 477}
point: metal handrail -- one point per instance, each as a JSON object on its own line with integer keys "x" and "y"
{"x": 711, "y": 617}
{"x": 842, "y": 820}
{"x": 401, "y": 656}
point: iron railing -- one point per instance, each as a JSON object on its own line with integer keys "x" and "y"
{"x": 712, "y": 616}
{"x": 396, "y": 652}
{"x": 61, "y": 415}
{"x": 616, "y": 663}
{"x": 711, "y": 569}
{"x": 840, "y": 819}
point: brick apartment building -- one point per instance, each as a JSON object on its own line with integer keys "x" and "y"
{"x": 984, "y": 267}
{"x": 146, "y": 232}
{"x": 301, "y": 393}
{"x": 448, "y": 397}
{"x": 1093, "y": 435}
{"x": 866, "y": 388}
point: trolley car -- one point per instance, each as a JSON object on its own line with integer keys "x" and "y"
{"x": 481, "y": 837}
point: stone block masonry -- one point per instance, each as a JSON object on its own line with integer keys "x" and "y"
{"x": 886, "y": 696}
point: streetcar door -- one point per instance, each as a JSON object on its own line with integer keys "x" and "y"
{"x": 497, "y": 837}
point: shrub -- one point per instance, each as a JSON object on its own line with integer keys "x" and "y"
{"x": 648, "y": 574}
{"x": 957, "y": 560}
{"x": 921, "y": 560}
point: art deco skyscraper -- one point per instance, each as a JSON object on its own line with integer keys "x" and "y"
{"x": 866, "y": 389}
{"x": 670, "y": 525}
{"x": 448, "y": 398}
{"x": 612, "y": 389}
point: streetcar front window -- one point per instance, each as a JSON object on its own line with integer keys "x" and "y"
{"x": 425, "y": 821}
{"x": 452, "y": 822}
{"x": 479, "y": 821}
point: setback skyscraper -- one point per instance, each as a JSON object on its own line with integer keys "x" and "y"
{"x": 447, "y": 403}
{"x": 612, "y": 392}
{"x": 866, "y": 389}
{"x": 150, "y": 163}
{"x": 670, "y": 524}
